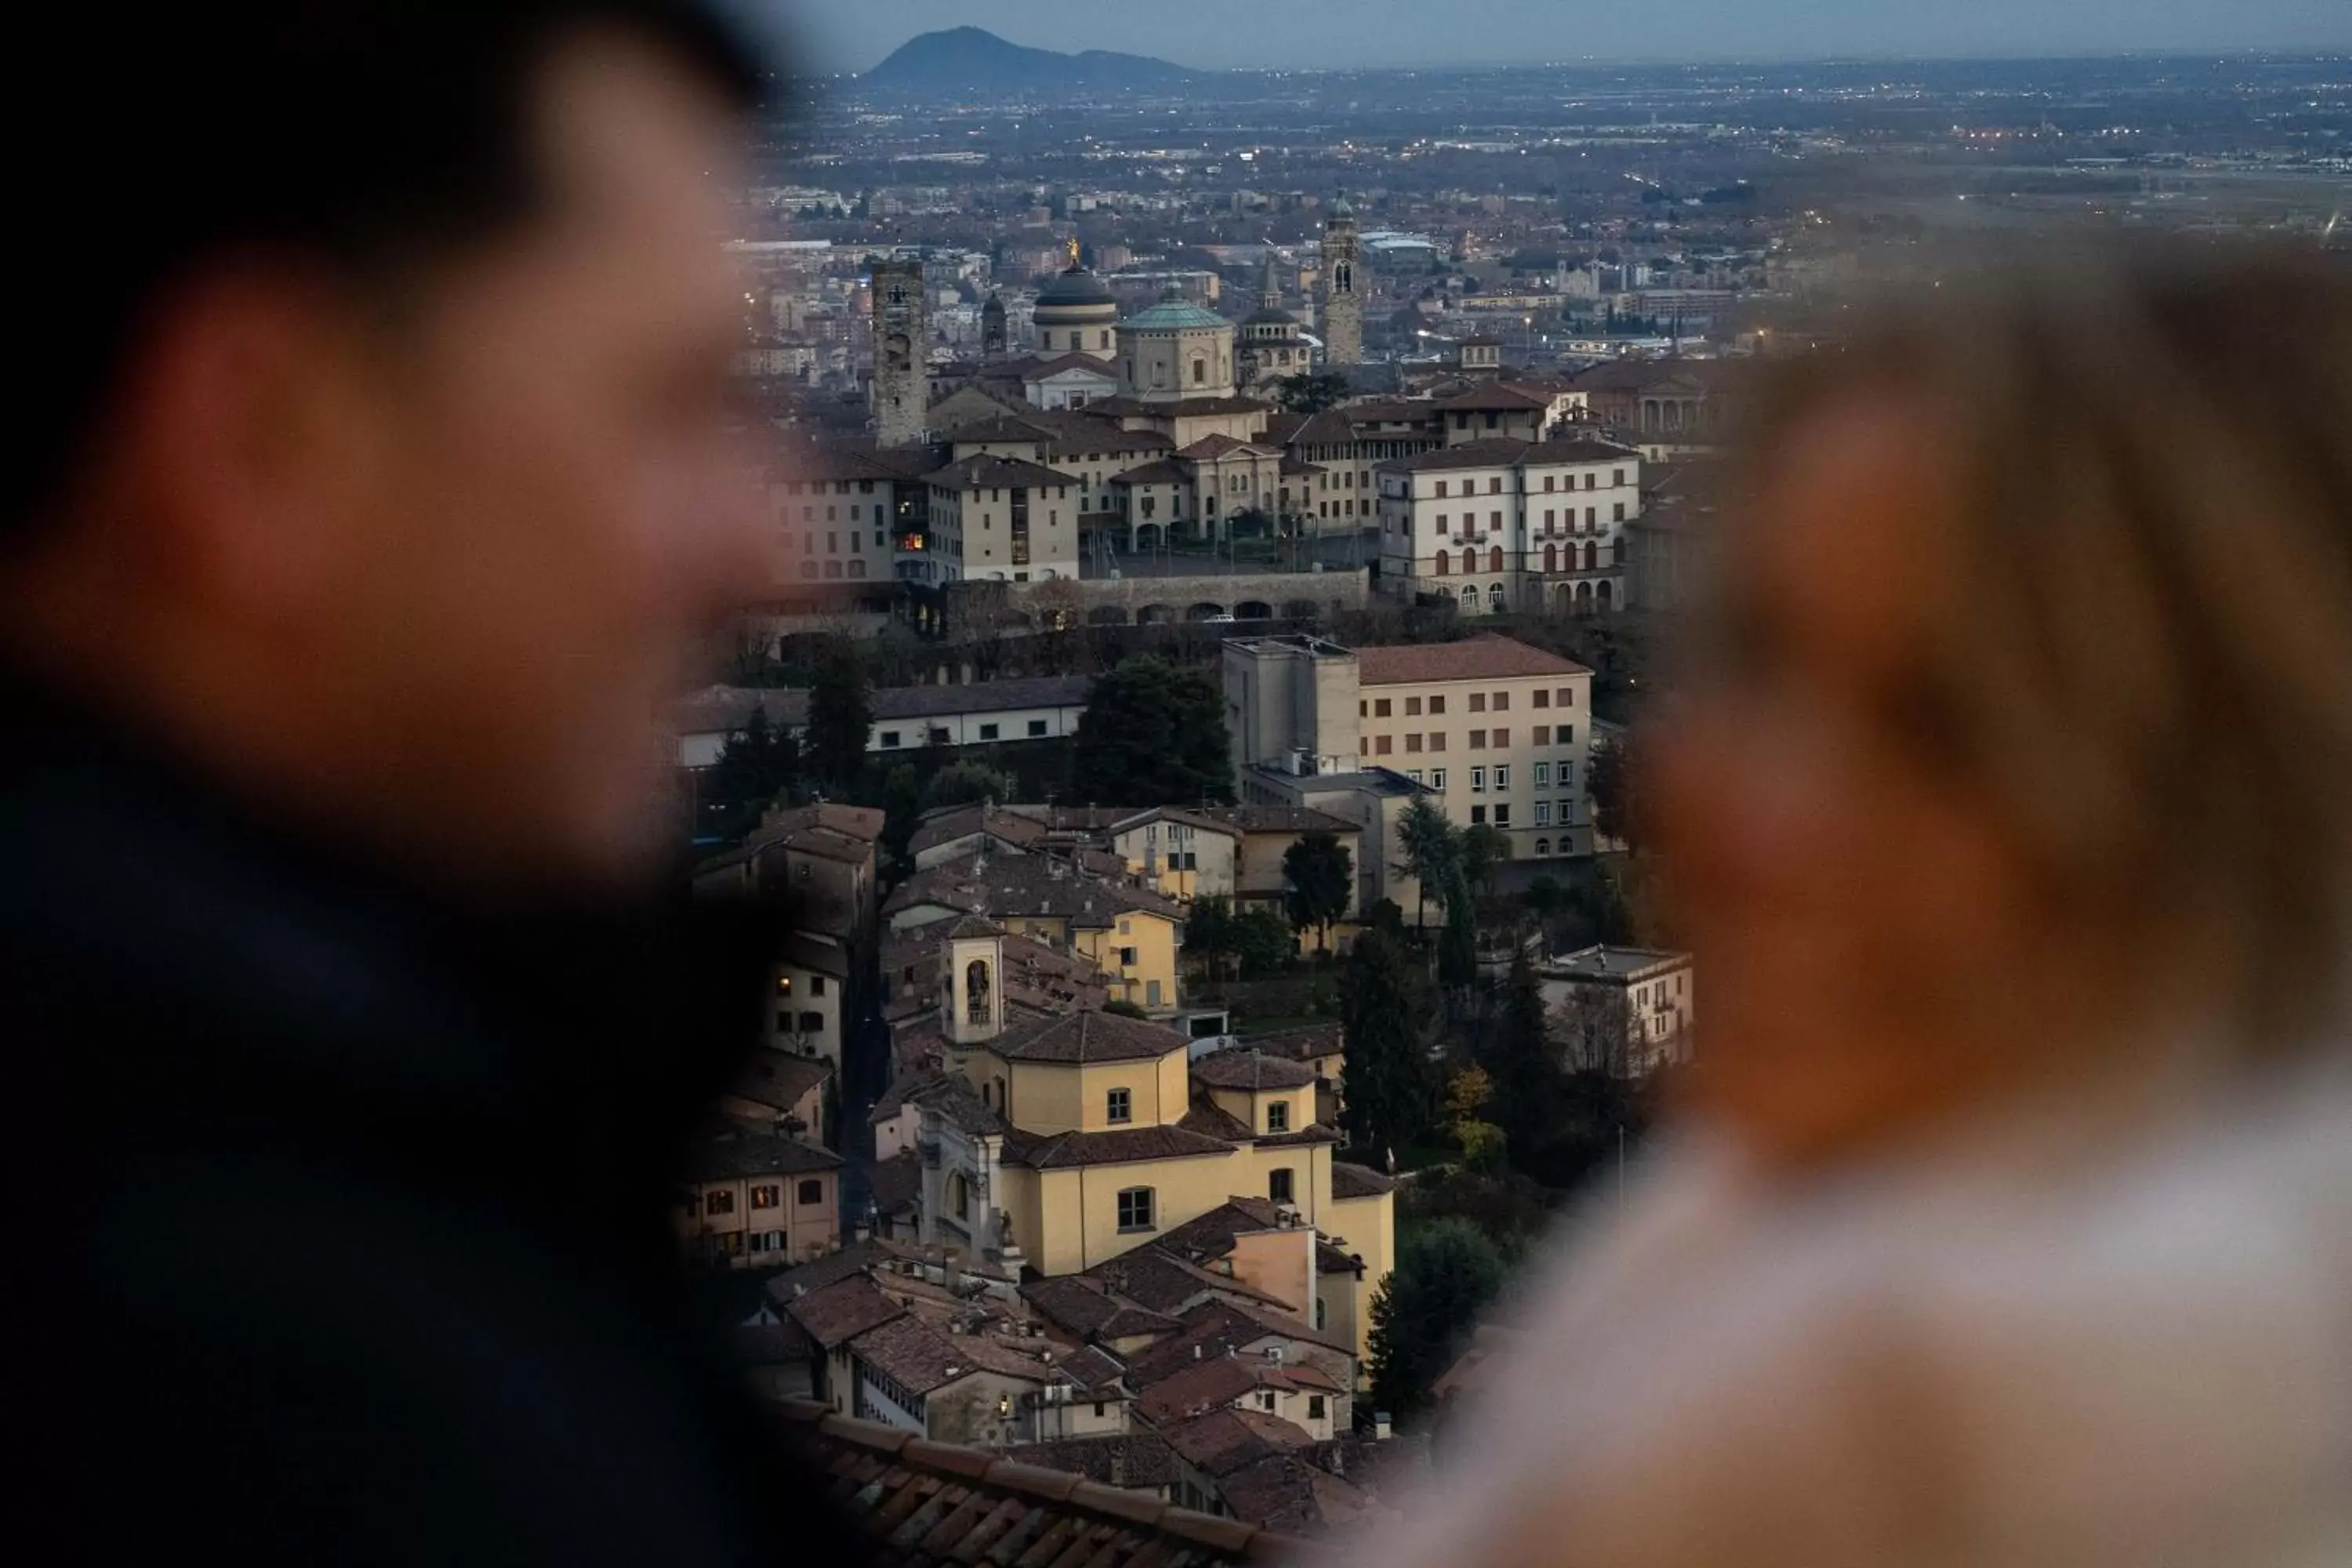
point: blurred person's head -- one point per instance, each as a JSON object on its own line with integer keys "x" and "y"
{"x": 373, "y": 456}
{"x": 2020, "y": 746}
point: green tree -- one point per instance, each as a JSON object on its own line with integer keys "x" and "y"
{"x": 1210, "y": 937}
{"x": 758, "y": 764}
{"x": 1263, "y": 942}
{"x": 1457, "y": 943}
{"x": 1154, "y": 734}
{"x": 1312, "y": 391}
{"x": 1611, "y": 781}
{"x": 841, "y": 716}
{"x": 964, "y": 783}
{"x": 1320, "y": 877}
{"x": 1390, "y": 1082}
{"x": 1467, "y": 1095}
{"x": 1486, "y": 849}
{"x": 1432, "y": 851}
{"x": 902, "y": 810}
{"x": 1521, "y": 1061}
{"x": 1446, "y": 1274}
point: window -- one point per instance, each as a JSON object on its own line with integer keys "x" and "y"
{"x": 1380, "y": 708}
{"x": 1413, "y": 773}
{"x": 1543, "y": 814}
{"x": 1543, "y": 776}
{"x": 1503, "y": 815}
{"x": 1477, "y": 781}
{"x": 889, "y": 738}
{"x": 1543, "y": 698}
{"x": 1616, "y": 477}
{"x": 1382, "y": 745}
{"x": 1315, "y": 1401}
{"x": 1278, "y": 1116}
{"x": 975, "y": 992}
{"x": 1441, "y": 487}
{"x": 1278, "y": 1184}
{"x": 1437, "y": 740}
{"x": 1477, "y": 702}
{"x": 939, "y": 735}
{"x": 765, "y": 1196}
{"x": 817, "y": 985}
{"x": 1037, "y": 727}
{"x": 1265, "y": 1399}
{"x": 1543, "y": 848}
{"x": 1413, "y": 707}
{"x": 1152, "y": 994}
{"x": 783, "y": 984}
{"x": 1127, "y": 958}
{"x": 1617, "y": 513}
{"x": 812, "y": 1190}
{"x": 1120, "y": 1106}
{"x": 988, "y": 731}
{"x": 1502, "y": 701}
{"x": 1438, "y": 777}
{"x": 1568, "y": 695}
{"x": 812, "y": 1023}
{"x": 1413, "y": 743}
{"x": 1437, "y": 704}
{"x": 719, "y": 1203}
{"x": 1477, "y": 817}
{"x": 1477, "y": 739}
{"x": 1135, "y": 1208}
{"x": 1543, "y": 735}
{"x": 1502, "y": 777}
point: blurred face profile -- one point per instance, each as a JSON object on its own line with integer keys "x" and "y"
{"x": 1867, "y": 929}
{"x": 549, "y": 508}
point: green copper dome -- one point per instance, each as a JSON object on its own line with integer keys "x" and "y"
{"x": 1173, "y": 314}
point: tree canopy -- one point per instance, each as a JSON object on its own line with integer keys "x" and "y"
{"x": 841, "y": 716}
{"x": 759, "y": 762}
{"x": 1312, "y": 391}
{"x": 1432, "y": 851}
{"x": 1612, "y": 780}
{"x": 1391, "y": 1085}
{"x": 1321, "y": 882}
{"x": 1154, "y": 734}
{"x": 964, "y": 783}
{"x": 1446, "y": 1273}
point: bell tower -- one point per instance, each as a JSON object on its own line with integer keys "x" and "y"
{"x": 900, "y": 391}
{"x": 973, "y": 981}
{"x": 1343, "y": 307}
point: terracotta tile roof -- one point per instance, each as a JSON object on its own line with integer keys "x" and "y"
{"x": 1164, "y": 1282}
{"x": 1486, "y": 658}
{"x": 1315, "y": 1133}
{"x": 1213, "y": 1120}
{"x": 736, "y": 1155}
{"x": 779, "y": 1079}
{"x": 1494, "y": 452}
{"x": 1132, "y": 1459}
{"x": 1291, "y": 1493}
{"x": 1359, "y": 1181}
{"x": 1067, "y": 1151}
{"x": 1217, "y": 1382}
{"x": 790, "y": 1284}
{"x": 1032, "y": 886}
{"x": 920, "y": 1355}
{"x": 894, "y": 1184}
{"x": 1305, "y": 1043}
{"x": 979, "y": 472}
{"x": 769, "y": 1344}
{"x": 962, "y": 821}
{"x": 1238, "y": 1067}
{"x": 1088, "y": 1037}
{"x": 837, "y": 1314}
{"x": 927, "y": 1503}
{"x": 1223, "y": 1441}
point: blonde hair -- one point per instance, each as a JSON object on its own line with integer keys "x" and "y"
{"x": 2149, "y": 660}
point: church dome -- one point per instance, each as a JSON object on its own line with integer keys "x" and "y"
{"x": 1173, "y": 314}
{"x": 1075, "y": 289}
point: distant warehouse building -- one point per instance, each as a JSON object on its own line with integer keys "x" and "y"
{"x": 906, "y": 718}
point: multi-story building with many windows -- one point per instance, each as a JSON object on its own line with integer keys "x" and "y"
{"x": 1492, "y": 731}
{"x": 1507, "y": 524}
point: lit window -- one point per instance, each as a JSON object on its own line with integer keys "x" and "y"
{"x": 765, "y": 1197}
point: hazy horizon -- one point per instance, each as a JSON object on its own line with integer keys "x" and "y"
{"x": 1401, "y": 34}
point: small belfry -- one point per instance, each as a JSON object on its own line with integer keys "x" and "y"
{"x": 1273, "y": 343}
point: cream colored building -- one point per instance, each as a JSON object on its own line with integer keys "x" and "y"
{"x": 1173, "y": 351}
{"x": 752, "y": 1197}
{"x": 1506, "y": 524}
{"x": 1495, "y": 732}
{"x": 1003, "y": 520}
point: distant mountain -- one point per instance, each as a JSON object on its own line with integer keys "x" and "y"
{"x": 968, "y": 61}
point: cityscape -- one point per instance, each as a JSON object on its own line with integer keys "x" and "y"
{"x": 1231, "y": 530}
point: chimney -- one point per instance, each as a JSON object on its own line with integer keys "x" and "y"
{"x": 1196, "y": 1351}
{"x": 1382, "y": 1430}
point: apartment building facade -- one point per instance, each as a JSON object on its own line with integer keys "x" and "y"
{"x": 1504, "y": 524}
{"x": 1492, "y": 731}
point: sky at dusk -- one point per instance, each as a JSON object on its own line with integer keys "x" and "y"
{"x": 854, "y": 34}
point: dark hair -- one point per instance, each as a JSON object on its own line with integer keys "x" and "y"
{"x": 146, "y": 140}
